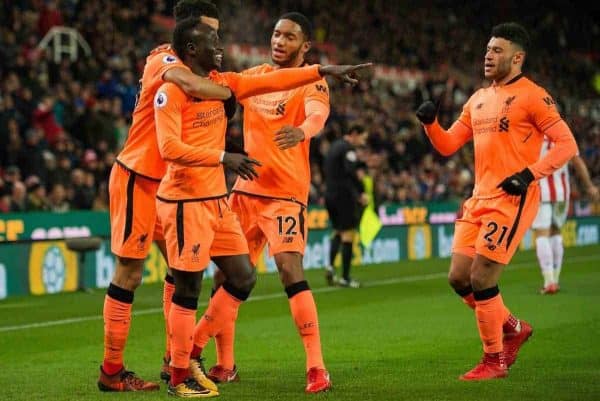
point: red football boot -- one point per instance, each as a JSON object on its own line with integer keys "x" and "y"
{"x": 219, "y": 374}
{"x": 492, "y": 366}
{"x": 317, "y": 380}
{"x": 124, "y": 380}
{"x": 512, "y": 342}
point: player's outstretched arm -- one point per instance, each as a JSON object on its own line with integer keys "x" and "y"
{"x": 288, "y": 78}
{"x": 344, "y": 73}
{"x": 584, "y": 175}
{"x": 445, "y": 142}
{"x": 196, "y": 86}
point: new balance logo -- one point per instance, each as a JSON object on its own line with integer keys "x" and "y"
{"x": 504, "y": 122}
{"x": 321, "y": 88}
{"x": 288, "y": 240}
{"x": 281, "y": 109}
{"x": 549, "y": 101}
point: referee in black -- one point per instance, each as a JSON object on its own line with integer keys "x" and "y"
{"x": 344, "y": 199}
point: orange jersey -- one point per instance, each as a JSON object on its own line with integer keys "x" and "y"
{"x": 140, "y": 152}
{"x": 284, "y": 173}
{"x": 507, "y": 125}
{"x": 191, "y": 132}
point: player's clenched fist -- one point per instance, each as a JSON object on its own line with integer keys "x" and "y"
{"x": 241, "y": 165}
{"x": 427, "y": 112}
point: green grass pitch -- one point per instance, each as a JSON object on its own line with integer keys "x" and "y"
{"x": 404, "y": 336}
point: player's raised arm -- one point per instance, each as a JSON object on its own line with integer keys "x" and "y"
{"x": 445, "y": 142}
{"x": 196, "y": 86}
{"x": 168, "y": 105}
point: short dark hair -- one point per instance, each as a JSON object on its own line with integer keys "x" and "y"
{"x": 194, "y": 8}
{"x": 301, "y": 20}
{"x": 182, "y": 34}
{"x": 514, "y": 32}
{"x": 356, "y": 129}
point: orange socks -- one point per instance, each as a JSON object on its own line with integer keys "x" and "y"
{"x": 490, "y": 312}
{"x": 469, "y": 300}
{"x": 304, "y": 312}
{"x": 224, "y": 341}
{"x": 510, "y": 323}
{"x": 219, "y": 321}
{"x": 168, "y": 290}
{"x": 182, "y": 318}
{"x": 117, "y": 319}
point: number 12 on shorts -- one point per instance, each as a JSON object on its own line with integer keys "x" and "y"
{"x": 287, "y": 225}
{"x": 492, "y": 230}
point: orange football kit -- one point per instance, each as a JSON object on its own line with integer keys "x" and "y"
{"x": 507, "y": 125}
{"x": 272, "y": 208}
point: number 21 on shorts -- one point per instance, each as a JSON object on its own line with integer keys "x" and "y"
{"x": 495, "y": 235}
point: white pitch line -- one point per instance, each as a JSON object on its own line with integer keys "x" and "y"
{"x": 369, "y": 284}
{"x": 18, "y": 305}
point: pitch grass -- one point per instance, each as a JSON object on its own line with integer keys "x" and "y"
{"x": 404, "y": 336}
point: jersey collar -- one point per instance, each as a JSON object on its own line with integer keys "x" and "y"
{"x": 512, "y": 81}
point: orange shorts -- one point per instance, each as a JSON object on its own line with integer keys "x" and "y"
{"x": 133, "y": 223}
{"x": 280, "y": 223}
{"x": 196, "y": 231}
{"x": 494, "y": 227}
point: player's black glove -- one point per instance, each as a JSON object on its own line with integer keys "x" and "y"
{"x": 517, "y": 183}
{"x": 230, "y": 106}
{"x": 427, "y": 112}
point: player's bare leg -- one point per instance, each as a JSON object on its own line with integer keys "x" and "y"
{"x": 304, "y": 312}
{"x": 117, "y": 320}
{"x": 459, "y": 277}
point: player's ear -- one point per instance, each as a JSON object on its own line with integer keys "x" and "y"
{"x": 306, "y": 46}
{"x": 191, "y": 48}
{"x": 519, "y": 57}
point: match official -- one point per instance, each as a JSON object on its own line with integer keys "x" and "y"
{"x": 344, "y": 198}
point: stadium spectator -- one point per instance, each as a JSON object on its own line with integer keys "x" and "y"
{"x": 57, "y": 200}
{"x": 18, "y": 200}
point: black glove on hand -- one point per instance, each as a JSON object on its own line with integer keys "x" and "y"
{"x": 427, "y": 112}
{"x": 230, "y": 106}
{"x": 517, "y": 183}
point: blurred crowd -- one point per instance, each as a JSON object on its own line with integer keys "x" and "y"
{"x": 62, "y": 123}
